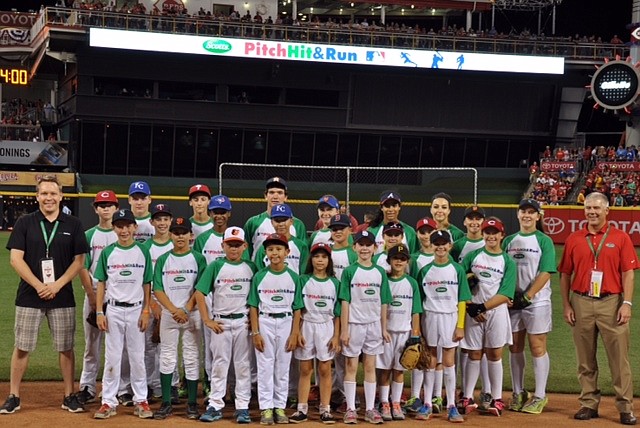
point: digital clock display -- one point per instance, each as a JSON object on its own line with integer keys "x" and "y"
{"x": 615, "y": 85}
{"x": 13, "y": 76}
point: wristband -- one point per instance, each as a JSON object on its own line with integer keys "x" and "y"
{"x": 254, "y": 333}
{"x": 626, "y": 302}
{"x": 99, "y": 313}
{"x": 185, "y": 311}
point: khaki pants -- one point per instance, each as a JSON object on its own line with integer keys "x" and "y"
{"x": 595, "y": 316}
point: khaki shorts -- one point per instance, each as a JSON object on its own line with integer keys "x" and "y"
{"x": 62, "y": 323}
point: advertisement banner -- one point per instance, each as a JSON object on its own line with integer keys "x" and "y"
{"x": 560, "y": 222}
{"x": 323, "y": 53}
{"x": 29, "y": 178}
{"x": 557, "y": 166}
{"x": 619, "y": 166}
{"x": 32, "y": 153}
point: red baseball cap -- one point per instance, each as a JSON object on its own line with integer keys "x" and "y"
{"x": 200, "y": 188}
{"x": 493, "y": 223}
{"x": 106, "y": 196}
{"x": 427, "y": 221}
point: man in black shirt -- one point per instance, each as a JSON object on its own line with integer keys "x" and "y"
{"x": 47, "y": 251}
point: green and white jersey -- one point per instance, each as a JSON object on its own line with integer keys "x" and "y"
{"x": 230, "y": 283}
{"x": 405, "y": 302}
{"x": 443, "y": 286}
{"x": 322, "y": 235}
{"x": 532, "y": 253}
{"x": 455, "y": 232}
{"x": 209, "y": 244}
{"x": 275, "y": 292}
{"x": 496, "y": 274}
{"x": 177, "y": 275}
{"x": 366, "y": 289}
{"x": 464, "y": 246}
{"x": 320, "y": 297}
{"x": 156, "y": 250}
{"x": 98, "y": 239}
{"x": 418, "y": 261}
{"x": 380, "y": 259}
{"x": 409, "y": 238}
{"x": 124, "y": 270}
{"x": 342, "y": 258}
{"x": 145, "y": 230}
{"x": 258, "y": 227}
{"x": 199, "y": 229}
{"x": 296, "y": 260}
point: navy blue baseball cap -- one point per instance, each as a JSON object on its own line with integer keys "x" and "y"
{"x": 340, "y": 220}
{"x": 364, "y": 235}
{"x": 529, "y": 203}
{"x": 440, "y": 236}
{"x": 393, "y": 227}
{"x": 281, "y": 210}
{"x": 123, "y": 215}
{"x": 139, "y": 187}
{"x": 159, "y": 209}
{"x": 390, "y": 195}
{"x": 220, "y": 202}
{"x": 276, "y": 182}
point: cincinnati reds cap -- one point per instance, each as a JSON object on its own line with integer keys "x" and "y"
{"x": 426, "y": 222}
{"x": 440, "y": 236}
{"x": 275, "y": 239}
{"x": 364, "y": 235}
{"x": 529, "y": 203}
{"x": 139, "y": 187}
{"x": 493, "y": 223}
{"x": 276, "y": 182}
{"x": 392, "y": 228}
{"x": 123, "y": 215}
{"x": 180, "y": 223}
{"x": 390, "y": 195}
{"x": 340, "y": 220}
{"x": 220, "y": 202}
{"x": 106, "y": 196}
{"x": 199, "y": 188}
{"x": 158, "y": 209}
{"x": 329, "y": 200}
{"x": 398, "y": 251}
{"x": 321, "y": 246}
{"x": 474, "y": 210}
{"x": 281, "y": 210}
{"x": 233, "y": 233}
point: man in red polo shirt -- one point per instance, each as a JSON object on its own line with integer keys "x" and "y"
{"x": 598, "y": 266}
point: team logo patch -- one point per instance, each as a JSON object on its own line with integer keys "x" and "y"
{"x": 277, "y": 298}
{"x": 125, "y": 273}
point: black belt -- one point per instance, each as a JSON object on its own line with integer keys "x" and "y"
{"x": 602, "y": 295}
{"x": 230, "y": 316}
{"x": 277, "y": 315}
{"x": 123, "y": 304}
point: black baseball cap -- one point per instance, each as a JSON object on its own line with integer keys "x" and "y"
{"x": 364, "y": 235}
{"x": 474, "y": 209}
{"x": 340, "y": 220}
{"x": 390, "y": 195}
{"x": 180, "y": 223}
{"x": 398, "y": 250}
{"x": 276, "y": 182}
{"x": 529, "y": 203}
{"x": 440, "y": 236}
{"x": 392, "y": 227}
{"x": 159, "y": 209}
{"x": 123, "y": 215}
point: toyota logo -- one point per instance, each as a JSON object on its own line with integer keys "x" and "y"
{"x": 553, "y": 225}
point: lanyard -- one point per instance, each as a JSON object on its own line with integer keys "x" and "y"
{"x": 596, "y": 253}
{"x": 48, "y": 238}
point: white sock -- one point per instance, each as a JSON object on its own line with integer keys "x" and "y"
{"x": 484, "y": 373}
{"x": 417, "y": 378}
{"x": 429, "y": 379}
{"x": 303, "y": 407}
{"x": 517, "y": 363}
{"x": 450, "y": 383}
{"x": 384, "y": 393}
{"x": 396, "y": 391}
{"x": 471, "y": 373}
{"x": 541, "y": 373}
{"x": 369, "y": 395}
{"x": 495, "y": 376}
{"x": 464, "y": 357}
{"x": 326, "y": 408}
{"x": 350, "y": 394}
{"x": 437, "y": 384}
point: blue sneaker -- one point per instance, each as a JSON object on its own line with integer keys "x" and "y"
{"x": 211, "y": 415}
{"x": 242, "y": 416}
{"x": 454, "y": 416}
{"x": 424, "y": 413}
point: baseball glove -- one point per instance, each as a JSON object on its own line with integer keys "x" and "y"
{"x": 425, "y": 356}
{"x": 155, "y": 336}
{"x": 520, "y": 300}
{"x": 92, "y": 317}
{"x": 472, "y": 279}
{"x": 411, "y": 353}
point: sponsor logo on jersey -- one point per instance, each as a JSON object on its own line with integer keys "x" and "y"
{"x": 396, "y": 303}
{"x": 277, "y": 298}
{"x": 321, "y": 304}
{"x": 518, "y": 256}
{"x": 125, "y": 273}
{"x": 369, "y": 291}
{"x": 485, "y": 274}
{"x": 441, "y": 289}
{"x": 236, "y": 287}
{"x": 179, "y": 279}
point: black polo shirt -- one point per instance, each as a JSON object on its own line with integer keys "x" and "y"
{"x": 68, "y": 242}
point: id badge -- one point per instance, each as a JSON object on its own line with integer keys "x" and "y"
{"x": 48, "y": 272}
{"x": 595, "y": 285}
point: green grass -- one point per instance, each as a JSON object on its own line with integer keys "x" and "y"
{"x": 43, "y": 364}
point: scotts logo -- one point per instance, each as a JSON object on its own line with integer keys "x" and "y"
{"x": 321, "y": 304}
{"x": 125, "y": 273}
{"x": 180, "y": 279}
{"x": 369, "y": 291}
{"x": 441, "y": 289}
{"x": 236, "y": 287}
{"x": 217, "y": 46}
{"x": 553, "y": 225}
{"x": 485, "y": 274}
{"x": 396, "y": 303}
{"x": 277, "y": 298}
{"x": 518, "y": 256}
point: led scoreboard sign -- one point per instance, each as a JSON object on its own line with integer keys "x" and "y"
{"x": 615, "y": 85}
{"x": 13, "y": 76}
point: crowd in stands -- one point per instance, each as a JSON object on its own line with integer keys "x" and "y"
{"x": 21, "y": 119}
{"x": 552, "y": 188}
{"x": 619, "y": 186}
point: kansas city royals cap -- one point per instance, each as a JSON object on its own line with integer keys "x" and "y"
{"x": 330, "y": 201}
{"x": 139, "y": 187}
{"x": 474, "y": 210}
{"x": 426, "y": 222}
{"x": 529, "y": 203}
{"x": 389, "y": 195}
{"x": 493, "y": 223}
{"x": 199, "y": 188}
{"x": 440, "y": 236}
{"x": 158, "y": 209}
{"x": 180, "y": 223}
{"x": 233, "y": 233}
{"x": 392, "y": 227}
{"x": 275, "y": 239}
{"x": 339, "y": 220}
{"x": 321, "y": 246}
{"x": 364, "y": 235}
{"x": 398, "y": 250}
{"x": 124, "y": 215}
{"x": 276, "y": 182}
{"x": 281, "y": 210}
{"x": 106, "y": 196}
{"x": 220, "y": 202}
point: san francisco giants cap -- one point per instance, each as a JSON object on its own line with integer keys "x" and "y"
{"x": 123, "y": 215}
{"x": 321, "y": 246}
{"x": 159, "y": 209}
{"x": 180, "y": 223}
{"x": 281, "y": 210}
{"x": 399, "y": 251}
{"x": 474, "y": 210}
{"x": 233, "y": 233}
{"x": 199, "y": 188}
{"x": 276, "y": 182}
{"x": 106, "y": 196}
{"x": 426, "y": 222}
{"x": 139, "y": 187}
{"x": 493, "y": 223}
{"x": 220, "y": 202}
{"x": 275, "y": 239}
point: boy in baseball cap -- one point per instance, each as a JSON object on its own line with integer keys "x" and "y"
{"x": 392, "y": 235}
{"x": 473, "y": 218}
{"x": 199, "y": 197}
{"x": 140, "y": 200}
{"x": 328, "y": 206}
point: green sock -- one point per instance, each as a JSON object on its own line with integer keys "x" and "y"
{"x": 165, "y": 382}
{"x": 192, "y": 391}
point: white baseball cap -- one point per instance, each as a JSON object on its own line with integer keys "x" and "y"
{"x": 233, "y": 233}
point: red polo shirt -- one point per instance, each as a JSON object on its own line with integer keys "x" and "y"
{"x": 616, "y": 256}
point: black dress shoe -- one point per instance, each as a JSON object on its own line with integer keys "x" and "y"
{"x": 585, "y": 413}
{"x": 627, "y": 419}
